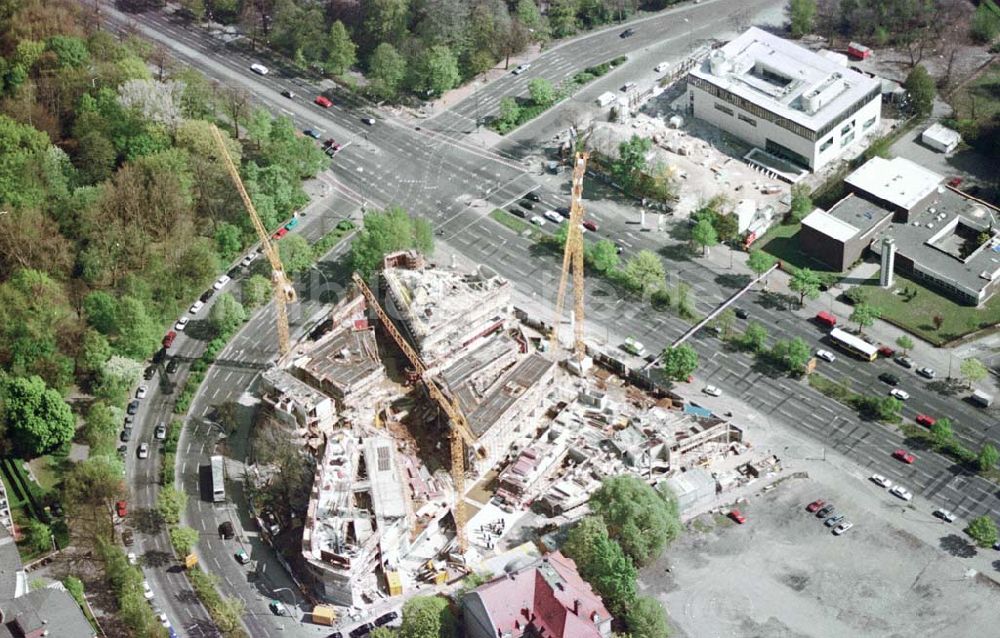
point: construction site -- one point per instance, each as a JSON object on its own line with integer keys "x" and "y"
{"x": 439, "y": 415}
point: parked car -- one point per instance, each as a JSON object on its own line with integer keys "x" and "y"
{"x": 843, "y": 527}
{"x": 904, "y": 361}
{"x": 127, "y": 537}
{"x": 888, "y": 377}
{"x": 902, "y": 395}
{"x": 289, "y": 94}
{"x": 196, "y": 307}
{"x": 925, "y": 420}
{"x": 815, "y": 505}
{"x": 825, "y": 511}
{"x": 627, "y": 33}
{"x": 149, "y": 372}
{"x": 132, "y": 558}
{"x": 168, "y": 339}
{"x": 826, "y": 355}
{"x": 904, "y": 456}
{"x": 221, "y": 282}
{"x": 628, "y": 86}
{"x": 249, "y": 259}
{"x": 121, "y": 508}
{"x": 143, "y": 451}
{"x": 955, "y": 182}
{"x": 323, "y": 101}
{"x": 277, "y": 608}
{"x": 242, "y": 557}
{"x": 533, "y": 196}
{"x": 361, "y": 630}
{"x": 886, "y": 351}
{"x": 311, "y": 133}
{"x": 172, "y": 366}
{"x": 834, "y": 520}
{"x": 553, "y": 217}
{"x": 901, "y": 492}
{"x": 292, "y": 223}
{"x": 125, "y": 435}
{"x": 281, "y": 232}
{"x": 881, "y": 481}
{"x": 742, "y": 313}
{"x": 160, "y": 433}
{"x": 537, "y": 221}
{"x": 147, "y": 591}
{"x": 181, "y": 324}
{"x": 520, "y": 68}
{"x": 259, "y": 69}
{"x": 944, "y": 515}
{"x": 927, "y": 373}
{"x": 385, "y": 619}
{"x": 141, "y": 392}
{"x": 133, "y": 406}
{"x": 517, "y": 212}
{"x": 737, "y": 516}
{"x": 526, "y": 204}
{"x": 712, "y": 391}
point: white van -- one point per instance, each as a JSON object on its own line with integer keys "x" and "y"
{"x": 981, "y": 399}
{"x": 605, "y": 98}
{"x": 259, "y": 69}
{"x": 661, "y": 67}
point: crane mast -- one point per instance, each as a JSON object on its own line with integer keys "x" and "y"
{"x": 460, "y": 430}
{"x": 284, "y": 292}
{"x": 573, "y": 260}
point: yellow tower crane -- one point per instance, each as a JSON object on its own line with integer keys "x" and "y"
{"x": 460, "y": 430}
{"x": 284, "y": 292}
{"x": 573, "y": 260}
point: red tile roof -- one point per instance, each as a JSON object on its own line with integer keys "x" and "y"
{"x": 547, "y": 595}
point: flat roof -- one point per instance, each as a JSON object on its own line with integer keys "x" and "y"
{"x": 857, "y": 213}
{"x": 898, "y": 181}
{"x": 344, "y": 357}
{"x": 941, "y": 133}
{"x": 507, "y": 392}
{"x": 793, "y": 82}
{"x": 830, "y": 226}
{"x": 923, "y": 240}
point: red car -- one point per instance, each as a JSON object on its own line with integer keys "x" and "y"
{"x": 590, "y": 225}
{"x": 322, "y": 101}
{"x": 281, "y": 233}
{"x": 904, "y": 456}
{"x": 923, "y": 419}
{"x": 168, "y": 339}
{"x": 886, "y": 351}
{"x": 737, "y": 516}
{"x": 815, "y": 505}
{"x": 955, "y": 182}
{"x": 121, "y": 509}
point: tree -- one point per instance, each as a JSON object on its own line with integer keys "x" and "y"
{"x": 435, "y": 70}
{"x": 920, "y": 85}
{"x": 183, "y": 539}
{"x": 427, "y": 617}
{"x": 296, "y": 254}
{"x": 865, "y": 315}
{"x": 35, "y": 417}
{"x": 101, "y": 427}
{"x": 228, "y": 240}
{"x": 541, "y": 91}
{"x": 645, "y": 271}
{"x": 803, "y": 14}
{"x": 382, "y": 632}
{"x": 679, "y": 363}
{"x": 802, "y": 204}
{"x": 602, "y": 255}
{"x": 90, "y": 490}
{"x": 942, "y": 434}
{"x": 806, "y": 283}
{"x": 227, "y": 314}
{"x": 973, "y": 370}
{"x": 905, "y": 342}
{"x": 38, "y": 536}
{"x": 95, "y": 158}
{"x": 888, "y": 409}
{"x": 386, "y": 70}
{"x": 169, "y": 504}
{"x": 640, "y": 519}
{"x": 725, "y": 322}
{"x": 510, "y": 114}
{"x": 138, "y": 332}
{"x": 341, "y": 52}
{"x": 631, "y": 159}
{"x": 646, "y": 618}
{"x": 602, "y": 563}
{"x": 385, "y": 21}
{"x": 793, "y": 354}
{"x": 988, "y": 457}
{"x": 985, "y": 24}
{"x": 754, "y": 337}
{"x": 383, "y": 233}
{"x": 704, "y": 235}
{"x": 983, "y": 530}
{"x": 116, "y": 379}
{"x": 256, "y": 291}
{"x": 759, "y": 261}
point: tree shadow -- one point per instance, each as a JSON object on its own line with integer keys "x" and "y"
{"x": 676, "y": 252}
{"x": 761, "y": 365}
{"x": 147, "y": 521}
{"x": 770, "y": 300}
{"x": 156, "y": 558}
{"x": 733, "y": 280}
{"x": 957, "y": 546}
{"x": 947, "y": 387}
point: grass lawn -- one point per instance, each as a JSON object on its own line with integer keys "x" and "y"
{"x": 984, "y": 93}
{"x": 516, "y": 224}
{"x": 916, "y": 314}
{"x": 44, "y": 470}
{"x": 782, "y": 242}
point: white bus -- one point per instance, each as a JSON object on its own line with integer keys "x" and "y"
{"x": 855, "y": 345}
{"x": 218, "y": 479}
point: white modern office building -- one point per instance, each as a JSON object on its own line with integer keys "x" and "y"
{"x": 784, "y": 99}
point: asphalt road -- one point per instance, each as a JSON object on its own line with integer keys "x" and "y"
{"x": 446, "y": 180}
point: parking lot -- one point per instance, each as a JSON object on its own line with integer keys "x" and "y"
{"x": 783, "y": 573}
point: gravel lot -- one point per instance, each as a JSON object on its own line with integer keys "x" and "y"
{"x": 784, "y": 574}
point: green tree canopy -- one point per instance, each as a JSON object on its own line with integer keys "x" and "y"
{"x": 384, "y": 233}
{"x": 973, "y": 370}
{"x": 759, "y": 261}
{"x": 541, "y": 91}
{"x": 754, "y": 337}
{"x": 631, "y": 159}
{"x": 256, "y": 291}
{"x": 226, "y": 314}
{"x": 169, "y": 504}
{"x": 645, "y": 271}
{"x": 679, "y": 363}
{"x": 802, "y": 203}
{"x": 639, "y": 518}
{"x": 35, "y": 416}
{"x": 985, "y": 24}
{"x": 646, "y": 618}
{"x": 988, "y": 457}
{"x": 704, "y": 235}
{"x": 602, "y": 255}
{"x": 983, "y": 530}
{"x": 602, "y": 563}
{"x": 805, "y": 282}
{"x": 341, "y": 52}
{"x": 183, "y": 539}
{"x": 904, "y": 342}
{"x": 920, "y": 86}
{"x": 794, "y": 354}
{"x": 296, "y": 253}
{"x": 386, "y": 70}
{"x": 942, "y": 433}
{"x": 509, "y": 116}
{"x": 427, "y": 617}
{"x": 802, "y": 14}
{"x": 101, "y": 428}
{"x": 865, "y": 315}
{"x": 434, "y": 71}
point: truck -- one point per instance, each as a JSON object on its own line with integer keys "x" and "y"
{"x": 981, "y": 399}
